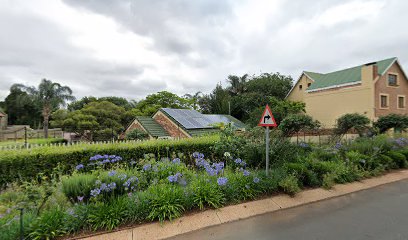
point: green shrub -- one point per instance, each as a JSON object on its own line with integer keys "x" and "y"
{"x": 396, "y": 121}
{"x": 137, "y": 134}
{"x": 290, "y": 185}
{"x": 26, "y": 164}
{"x": 386, "y": 161}
{"x": 349, "y": 121}
{"x": 303, "y": 174}
{"x": 399, "y": 159}
{"x": 205, "y": 192}
{"x": 108, "y": 215}
{"x": 166, "y": 202}
{"x": 138, "y": 207}
{"x": 78, "y": 185}
{"x": 329, "y": 180}
{"x": 240, "y": 187}
{"x": 269, "y": 183}
{"x": 49, "y": 225}
{"x": 10, "y": 225}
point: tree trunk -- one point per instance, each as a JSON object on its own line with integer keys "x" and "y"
{"x": 46, "y": 115}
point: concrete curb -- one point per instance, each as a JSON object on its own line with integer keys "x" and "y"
{"x": 244, "y": 210}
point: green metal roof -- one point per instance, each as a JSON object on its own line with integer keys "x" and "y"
{"x": 152, "y": 127}
{"x": 346, "y": 76}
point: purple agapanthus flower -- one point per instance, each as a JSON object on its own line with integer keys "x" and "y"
{"x": 256, "y": 180}
{"x": 246, "y": 173}
{"x": 238, "y": 161}
{"x": 79, "y": 166}
{"x": 147, "y": 167}
{"x": 95, "y": 192}
{"x": 111, "y": 173}
{"x": 80, "y": 198}
{"x": 176, "y": 161}
{"x": 222, "y": 181}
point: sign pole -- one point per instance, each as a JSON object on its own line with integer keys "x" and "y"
{"x": 267, "y": 120}
{"x": 267, "y": 149}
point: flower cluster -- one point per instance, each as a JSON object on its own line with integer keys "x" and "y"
{"x": 147, "y": 167}
{"x": 102, "y": 187}
{"x": 79, "y": 166}
{"x": 337, "y": 146}
{"x": 240, "y": 162}
{"x": 176, "y": 161}
{"x": 222, "y": 181}
{"x": 129, "y": 182}
{"x": 105, "y": 158}
{"x": 401, "y": 142}
{"x": 256, "y": 180}
{"x": 198, "y": 155}
{"x": 303, "y": 145}
{"x": 175, "y": 178}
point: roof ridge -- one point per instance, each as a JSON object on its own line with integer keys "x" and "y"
{"x": 358, "y": 66}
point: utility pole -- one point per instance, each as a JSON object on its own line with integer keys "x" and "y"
{"x": 25, "y": 137}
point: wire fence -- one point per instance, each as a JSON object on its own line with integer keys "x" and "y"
{"x": 21, "y": 146}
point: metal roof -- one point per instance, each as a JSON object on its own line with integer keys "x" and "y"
{"x": 344, "y": 77}
{"x": 152, "y": 127}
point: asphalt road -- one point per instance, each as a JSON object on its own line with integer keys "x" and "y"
{"x": 378, "y": 213}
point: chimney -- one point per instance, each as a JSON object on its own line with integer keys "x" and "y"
{"x": 369, "y": 72}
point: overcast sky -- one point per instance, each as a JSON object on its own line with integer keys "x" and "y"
{"x": 132, "y": 48}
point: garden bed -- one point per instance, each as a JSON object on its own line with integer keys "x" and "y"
{"x": 106, "y": 192}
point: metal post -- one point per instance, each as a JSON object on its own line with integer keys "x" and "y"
{"x": 25, "y": 137}
{"x": 267, "y": 149}
{"x": 21, "y": 224}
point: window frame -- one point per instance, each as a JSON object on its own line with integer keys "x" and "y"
{"x": 398, "y": 102}
{"x": 396, "y": 79}
{"x": 387, "y": 98}
{"x": 300, "y": 87}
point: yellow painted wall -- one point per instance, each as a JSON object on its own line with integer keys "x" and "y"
{"x": 328, "y": 105}
{"x": 298, "y": 94}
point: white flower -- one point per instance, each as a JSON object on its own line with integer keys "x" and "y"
{"x": 227, "y": 154}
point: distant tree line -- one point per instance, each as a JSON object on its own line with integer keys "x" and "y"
{"x": 244, "y": 97}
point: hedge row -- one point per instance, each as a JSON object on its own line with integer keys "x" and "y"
{"x": 23, "y": 165}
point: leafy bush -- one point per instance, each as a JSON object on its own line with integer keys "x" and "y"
{"x": 396, "y": 121}
{"x": 205, "y": 192}
{"x": 166, "y": 202}
{"x": 137, "y": 134}
{"x": 351, "y": 121}
{"x": 290, "y": 185}
{"x": 329, "y": 180}
{"x": 241, "y": 186}
{"x": 108, "y": 215}
{"x": 49, "y": 225}
{"x": 399, "y": 159}
{"x": 78, "y": 185}
{"x": 10, "y": 225}
{"x": 297, "y": 122}
{"x": 26, "y": 164}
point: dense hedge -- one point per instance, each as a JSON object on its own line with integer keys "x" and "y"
{"x": 26, "y": 164}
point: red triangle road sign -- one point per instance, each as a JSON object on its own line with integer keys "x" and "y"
{"x": 267, "y": 119}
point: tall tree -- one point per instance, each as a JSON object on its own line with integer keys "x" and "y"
{"x": 21, "y": 107}
{"x": 50, "y": 96}
{"x": 238, "y": 84}
{"x": 194, "y": 99}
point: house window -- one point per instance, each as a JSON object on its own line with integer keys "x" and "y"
{"x": 401, "y": 101}
{"x": 300, "y": 87}
{"x": 392, "y": 80}
{"x": 308, "y": 85}
{"x": 383, "y": 101}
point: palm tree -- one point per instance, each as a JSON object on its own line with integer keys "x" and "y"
{"x": 237, "y": 83}
{"x": 50, "y": 96}
{"x": 194, "y": 98}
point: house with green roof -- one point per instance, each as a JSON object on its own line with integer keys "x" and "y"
{"x": 373, "y": 89}
{"x": 181, "y": 123}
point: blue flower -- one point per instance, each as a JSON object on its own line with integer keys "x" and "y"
{"x": 338, "y": 145}
{"x": 79, "y": 166}
{"x": 172, "y": 178}
{"x": 95, "y": 192}
{"x": 246, "y": 173}
{"x": 80, "y": 198}
{"x": 238, "y": 161}
{"x": 222, "y": 181}
{"x": 256, "y": 180}
{"x": 176, "y": 161}
{"x": 147, "y": 167}
{"x": 112, "y": 185}
{"x": 111, "y": 173}
{"x": 122, "y": 177}
{"x": 243, "y": 163}
{"x": 195, "y": 154}
{"x": 303, "y": 145}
